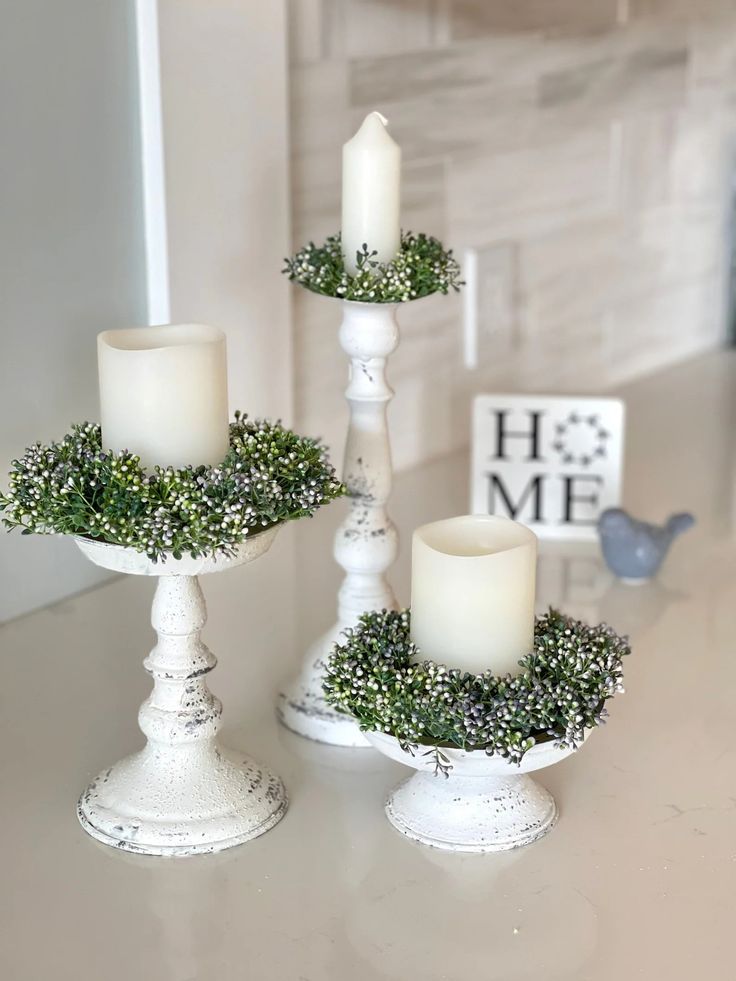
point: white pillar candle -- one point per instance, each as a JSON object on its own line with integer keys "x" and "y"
{"x": 163, "y": 393}
{"x": 371, "y": 183}
{"x": 472, "y": 593}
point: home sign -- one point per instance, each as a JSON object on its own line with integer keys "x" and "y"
{"x": 552, "y": 463}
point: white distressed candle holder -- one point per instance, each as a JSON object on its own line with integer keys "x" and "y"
{"x": 183, "y": 793}
{"x": 485, "y": 804}
{"x": 367, "y": 543}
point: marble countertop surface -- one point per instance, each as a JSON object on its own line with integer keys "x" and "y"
{"x": 636, "y": 881}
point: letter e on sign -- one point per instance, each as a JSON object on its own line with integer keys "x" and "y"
{"x": 552, "y": 463}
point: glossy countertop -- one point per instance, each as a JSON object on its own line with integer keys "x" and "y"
{"x": 638, "y": 879}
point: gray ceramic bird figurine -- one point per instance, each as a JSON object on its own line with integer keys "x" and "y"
{"x": 634, "y": 550}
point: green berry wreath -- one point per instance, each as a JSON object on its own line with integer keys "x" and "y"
{"x": 421, "y": 267}
{"x": 77, "y": 487}
{"x": 377, "y": 676}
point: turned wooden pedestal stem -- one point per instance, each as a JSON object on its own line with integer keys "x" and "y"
{"x": 183, "y": 793}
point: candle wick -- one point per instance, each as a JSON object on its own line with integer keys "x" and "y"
{"x": 380, "y": 116}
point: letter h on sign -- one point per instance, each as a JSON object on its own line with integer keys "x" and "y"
{"x": 552, "y": 463}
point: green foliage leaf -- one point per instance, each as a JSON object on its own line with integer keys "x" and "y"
{"x": 76, "y": 487}
{"x": 421, "y": 267}
{"x": 377, "y": 675}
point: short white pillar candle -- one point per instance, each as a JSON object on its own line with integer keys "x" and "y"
{"x": 371, "y": 191}
{"x": 472, "y": 593}
{"x": 163, "y": 393}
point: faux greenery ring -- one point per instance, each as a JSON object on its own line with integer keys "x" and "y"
{"x": 378, "y": 677}
{"x": 76, "y": 487}
{"x": 421, "y": 267}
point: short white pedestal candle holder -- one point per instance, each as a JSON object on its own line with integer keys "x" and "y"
{"x": 183, "y": 793}
{"x": 485, "y": 804}
{"x": 367, "y": 543}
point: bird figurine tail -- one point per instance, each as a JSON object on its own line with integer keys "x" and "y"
{"x": 677, "y": 523}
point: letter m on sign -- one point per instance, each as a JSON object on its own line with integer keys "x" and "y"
{"x": 552, "y": 463}
{"x": 502, "y": 501}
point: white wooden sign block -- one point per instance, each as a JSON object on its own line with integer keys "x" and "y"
{"x": 552, "y": 463}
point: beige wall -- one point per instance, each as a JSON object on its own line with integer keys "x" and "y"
{"x": 584, "y": 147}
{"x": 71, "y": 244}
{"x": 225, "y": 140}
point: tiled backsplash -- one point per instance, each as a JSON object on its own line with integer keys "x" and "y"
{"x": 584, "y": 148}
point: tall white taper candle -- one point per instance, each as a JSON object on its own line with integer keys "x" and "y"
{"x": 163, "y": 393}
{"x": 371, "y": 186}
{"x": 472, "y": 592}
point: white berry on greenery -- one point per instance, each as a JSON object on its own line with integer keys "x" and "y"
{"x": 377, "y": 676}
{"x": 75, "y": 487}
{"x": 421, "y": 267}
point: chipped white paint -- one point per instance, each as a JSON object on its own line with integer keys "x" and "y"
{"x": 367, "y": 542}
{"x": 484, "y": 805}
{"x": 183, "y": 793}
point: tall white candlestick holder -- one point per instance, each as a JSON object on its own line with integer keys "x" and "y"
{"x": 367, "y": 543}
{"x": 183, "y": 793}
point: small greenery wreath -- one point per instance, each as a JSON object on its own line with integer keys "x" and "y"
{"x": 421, "y": 267}
{"x": 76, "y": 487}
{"x": 561, "y": 691}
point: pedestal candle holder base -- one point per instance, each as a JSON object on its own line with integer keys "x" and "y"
{"x": 484, "y": 805}
{"x": 215, "y": 802}
{"x": 303, "y": 709}
{"x": 183, "y": 793}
